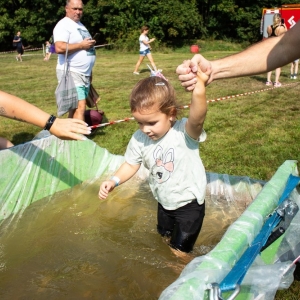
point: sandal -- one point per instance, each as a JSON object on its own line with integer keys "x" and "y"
{"x": 277, "y": 84}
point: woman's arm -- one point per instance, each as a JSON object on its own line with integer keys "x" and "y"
{"x": 148, "y": 42}
{"x": 15, "y": 108}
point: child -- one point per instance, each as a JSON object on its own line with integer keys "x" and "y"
{"x": 47, "y": 50}
{"x": 145, "y": 50}
{"x": 294, "y": 69}
{"x": 169, "y": 148}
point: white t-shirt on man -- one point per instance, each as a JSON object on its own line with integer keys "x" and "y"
{"x": 82, "y": 61}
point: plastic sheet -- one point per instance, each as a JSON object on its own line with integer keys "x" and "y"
{"x": 41, "y": 168}
{"x": 213, "y": 267}
{"x": 47, "y": 165}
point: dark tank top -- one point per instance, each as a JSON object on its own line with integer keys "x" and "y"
{"x": 273, "y": 30}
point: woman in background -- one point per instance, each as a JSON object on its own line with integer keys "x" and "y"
{"x": 145, "y": 50}
{"x": 276, "y": 29}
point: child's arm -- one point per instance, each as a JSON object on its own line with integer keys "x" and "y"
{"x": 198, "y": 107}
{"x": 124, "y": 173}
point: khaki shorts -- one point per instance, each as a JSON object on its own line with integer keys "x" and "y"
{"x": 82, "y": 83}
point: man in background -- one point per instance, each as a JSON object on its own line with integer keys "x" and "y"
{"x": 71, "y": 35}
{"x": 17, "y": 42}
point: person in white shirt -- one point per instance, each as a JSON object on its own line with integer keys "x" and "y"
{"x": 70, "y": 32}
{"x": 145, "y": 50}
{"x": 169, "y": 149}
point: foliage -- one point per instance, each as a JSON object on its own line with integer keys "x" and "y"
{"x": 174, "y": 23}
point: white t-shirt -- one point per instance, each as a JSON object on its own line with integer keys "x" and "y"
{"x": 82, "y": 61}
{"x": 142, "y": 38}
{"x": 176, "y": 173}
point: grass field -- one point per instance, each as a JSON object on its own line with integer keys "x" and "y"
{"x": 252, "y": 134}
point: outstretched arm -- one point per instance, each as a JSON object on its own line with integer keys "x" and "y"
{"x": 124, "y": 173}
{"x": 15, "y": 108}
{"x": 198, "y": 107}
{"x": 262, "y": 57}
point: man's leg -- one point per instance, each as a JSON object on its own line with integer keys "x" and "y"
{"x": 79, "y": 112}
{"x": 82, "y": 84}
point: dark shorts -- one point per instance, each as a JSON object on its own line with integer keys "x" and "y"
{"x": 20, "y": 50}
{"x": 183, "y": 225}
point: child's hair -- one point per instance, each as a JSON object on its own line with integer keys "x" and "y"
{"x": 154, "y": 91}
{"x": 144, "y": 28}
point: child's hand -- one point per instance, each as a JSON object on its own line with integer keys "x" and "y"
{"x": 202, "y": 79}
{"x": 105, "y": 188}
{"x": 202, "y": 76}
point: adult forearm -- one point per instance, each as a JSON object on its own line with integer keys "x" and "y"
{"x": 261, "y": 57}
{"x": 253, "y": 60}
{"x": 15, "y": 108}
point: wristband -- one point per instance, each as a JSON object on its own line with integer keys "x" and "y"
{"x": 49, "y": 122}
{"x": 115, "y": 179}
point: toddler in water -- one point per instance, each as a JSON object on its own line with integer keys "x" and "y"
{"x": 169, "y": 149}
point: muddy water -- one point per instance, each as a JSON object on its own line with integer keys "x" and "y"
{"x": 74, "y": 246}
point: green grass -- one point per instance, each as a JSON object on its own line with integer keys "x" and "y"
{"x": 248, "y": 135}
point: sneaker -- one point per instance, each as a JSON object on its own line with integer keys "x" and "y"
{"x": 17, "y": 58}
{"x": 295, "y": 77}
{"x": 136, "y": 73}
{"x": 292, "y": 77}
{"x": 277, "y": 84}
{"x": 269, "y": 83}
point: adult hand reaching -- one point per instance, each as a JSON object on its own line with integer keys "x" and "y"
{"x": 70, "y": 129}
{"x": 187, "y": 71}
{"x": 18, "y": 109}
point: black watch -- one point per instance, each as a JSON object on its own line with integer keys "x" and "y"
{"x": 49, "y": 122}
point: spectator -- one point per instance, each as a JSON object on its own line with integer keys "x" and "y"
{"x": 145, "y": 50}
{"x": 17, "y": 41}
{"x": 294, "y": 69}
{"x": 275, "y": 30}
{"x": 81, "y": 53}
{"x": 47, "y": 50}
{"x": 52, "y": 46}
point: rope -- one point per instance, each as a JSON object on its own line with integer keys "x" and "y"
{"x": 35, "y": 49}
{"x": 25, "y": 50}
{"x": 208, "y": 101}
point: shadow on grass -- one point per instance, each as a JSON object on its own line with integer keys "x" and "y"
{"x": 259, "y": 78}
{"x": 19, "y": 138}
